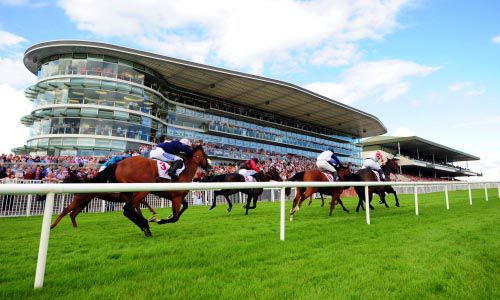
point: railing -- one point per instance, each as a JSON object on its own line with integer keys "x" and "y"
{"x": 52, "y": 189}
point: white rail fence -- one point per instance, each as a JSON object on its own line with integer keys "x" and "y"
{"x": 33, "y": 204}
{"x": 52, "y": 189}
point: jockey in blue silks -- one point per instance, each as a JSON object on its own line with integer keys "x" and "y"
{"x": 168, "y": 151}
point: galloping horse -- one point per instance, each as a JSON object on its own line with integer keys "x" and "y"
{"x": 317, "y": 175}
{"x": 80, "y": 201}
{"x": 139, "y": 169}
{"x": 369, "y": 175}
{"x": 253, "y": 194}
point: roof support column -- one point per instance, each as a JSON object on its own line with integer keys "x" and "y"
{"x": 433, "y": 161}
{"x": 418, "y": 156}
{"x": 399, "y": 155}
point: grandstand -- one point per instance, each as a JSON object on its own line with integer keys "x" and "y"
{"x": 421, "y": 158}
{"x": 94, "y": 98}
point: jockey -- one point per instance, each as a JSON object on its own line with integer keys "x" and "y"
{"x": 372, "y": 162}
{"x": 249, "y": 167}
{"x": 113, "y": 160}
{"x": 328, "y": 161}
{"x": 168, "y": 151}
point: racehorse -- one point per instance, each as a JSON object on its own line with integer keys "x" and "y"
{"x": 80, "y": 201}
{"x": 317, "y": 175}
{"x": 138, "y": 169}
{"x": 253, "y": 194}
{"x": 369, "y": 175}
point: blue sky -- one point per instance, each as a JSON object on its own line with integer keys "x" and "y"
{"x": 426, "y": 68}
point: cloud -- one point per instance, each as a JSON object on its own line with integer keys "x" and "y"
{"x": 380, "y": 80}
{"x": 459, "y": 86}
{"x": 475, "y": 93}
{"x": 14, "y": 73}
{"x": 403, "y": 131}
{"x": 8, "y": 39}
{"x": 489, "y": 165}
{"x": 18, "y": 106}
{"x": 243, "y": 34}
{"x": 467, "y": 88}
{"x": 496, "y": 39}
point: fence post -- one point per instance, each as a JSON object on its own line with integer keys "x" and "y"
{"x": 486, "y": 191}
{"x": 44, "y": 241}
{"x": 28, "y": 205}
{"x": 416, "y": 200}
{"x": 162, "y": 203}
{"x": 103, "y": 207}
{"x": 499, "y": 191}
{"x": 446, "y": 195}
{"x": 470, "y": 195}
{"x": 240, "y": 197}
{"x": 367, "y": 208}
{"x": 272, "y": 195}
{"x": 282, "y": 214}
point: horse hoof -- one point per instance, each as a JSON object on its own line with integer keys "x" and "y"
{"x": 228, "y": 210}
{"x": 397, "y": 204}
{"x": 380, "y": 202}
{"x": 212, "y": 207}
{"x": 153, "y": 219}
{"x": 147, "y": 232}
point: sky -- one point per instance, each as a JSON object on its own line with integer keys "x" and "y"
{"x": 425, "y": 68}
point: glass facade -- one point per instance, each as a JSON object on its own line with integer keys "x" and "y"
{"x": 86, "y": 104}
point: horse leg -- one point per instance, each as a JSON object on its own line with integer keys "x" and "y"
{"x": 382, "y": 198}
{"x": 76, "y": 211}
{"x": 176, "y": 205}
{"x": 130, "y": 211}
{"x": 301, "y": 199}
{"x": 322, "y": 200}
{"x": 294, "y": 209}
{"x": 247, "y": 206}
{"x": 342, "y": 204}
{"x": 77, "y": 200}
{"x": 361, "y": 198}
{"x": 396, "y": 196}
{"x": 226, "y": 196}
{"x": 152, "y": 210}
{"x": 310, "y": 200}
{"x": 185, "y": 206}
{"x": 216, "y": 193}
{"x": 332, "y": 205}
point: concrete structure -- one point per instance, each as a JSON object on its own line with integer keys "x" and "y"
{"x": 420, "y": 157}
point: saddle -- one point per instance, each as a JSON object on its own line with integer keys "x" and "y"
{"x": 329, "y": 176}
{"x": 163, "y": 168}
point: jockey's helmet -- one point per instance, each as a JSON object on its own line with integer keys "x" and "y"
{"x": 379, "y": 155}
{"x": 256, "y": 160}
{"x": 185, "y": 142}
{"x": 332, "y": 150}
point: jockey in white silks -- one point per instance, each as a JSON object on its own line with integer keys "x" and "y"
{"x": 372, "y": 162}
{"x": 328, "y": 161}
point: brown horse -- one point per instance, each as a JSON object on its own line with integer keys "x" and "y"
{"x": 369, "y": 175}
{"x": 80, "y": 201}
{"x": 139, "y": 169}
{"x": 317, "y": 175}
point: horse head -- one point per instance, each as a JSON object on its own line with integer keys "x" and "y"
{"x": 392, "y": 165}
{"x": 200, "y": 158}
{"x": 273, "y": 174}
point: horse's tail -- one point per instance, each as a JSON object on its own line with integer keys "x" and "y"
{"x": 297, "y": 177}
{"x": 107, "y": 175}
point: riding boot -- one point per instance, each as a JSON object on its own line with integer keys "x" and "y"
{"x": 382, "y": 175}
{"x": 172, "y": 172}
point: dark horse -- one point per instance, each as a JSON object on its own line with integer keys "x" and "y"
{"x": 80, "y": 201}
{"x": 317, "y": 175}
{"x": 253, "y": 194}
{"x": 139, "y": 169}
{"x": 368, "y": 175}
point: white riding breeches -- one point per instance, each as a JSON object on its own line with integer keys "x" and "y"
{"x": 246, "y": 172}
{"x": 159, "y": 154}
{"x": 368, "y": 163}
{"x": 323, "y": 164}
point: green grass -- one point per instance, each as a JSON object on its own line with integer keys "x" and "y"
{"x": 439, "y": 254}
